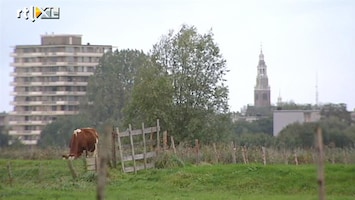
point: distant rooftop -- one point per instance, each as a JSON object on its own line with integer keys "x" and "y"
{"x": 61, "y": 39}
{"x": 299, "y": 110}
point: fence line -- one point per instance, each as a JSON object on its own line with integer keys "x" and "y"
{"x": 132, "y": 156}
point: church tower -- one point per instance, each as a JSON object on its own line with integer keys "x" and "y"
{"x": 262, "y": 88}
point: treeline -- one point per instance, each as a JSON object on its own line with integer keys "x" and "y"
{"x": 337, "y": 127}
{"x": 181, "y": 81}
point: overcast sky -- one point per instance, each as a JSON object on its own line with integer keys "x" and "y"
{"x": 299, "y": 38}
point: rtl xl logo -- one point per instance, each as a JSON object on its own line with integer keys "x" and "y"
{"x": 35, "y": 12}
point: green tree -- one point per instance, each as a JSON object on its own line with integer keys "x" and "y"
{"x": 4, "y": 137}
{"x": 298, "y": 135}
{"x": 110, "y": 88}
{"x": 333, "y": 129}
{"x": 291, "y": 105}
{"x": 349, "y": 132}
{"x": 264, "y": 125}
{"x": 335, "y": 132}
{"x": 152, "y": 99}
{"x": 59, "y": 132}
{"x": 196, "y": 69}
{"x": 336, "y": 110}
{"x": 240, "y": 127}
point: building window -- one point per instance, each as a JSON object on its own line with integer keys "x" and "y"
{"x": 256, "y": 96}
{"x": 69, "y": 49}
{"x": 70, "y": 59}
{"x": 70, "y": 68}
{"x": 90, "y": 69}
{"x": 53, "y": 59}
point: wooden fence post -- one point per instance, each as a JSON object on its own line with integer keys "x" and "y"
{"x": 296, "y": 157}
{"x": 40, "y": 172}
{"x": 215, "y": 153}
{"x": 9, "y": 171}
{"x": 151, "y": 141}
{"x": 197, "y": 149}
{"x": 144, "y": 148}
{"x": 165, "y": 140}
{"x": 173, "y": 144}
{"x": 244, "y": 154}
{"x": 132, "y": 148}
{"x": 233, "y": 151}
{"x": 285, "y": 156}
{"x": 158, "y": 136}
{"x": 345, "y": 156}
{"x": 120, "y": 148}
{"x": 264, "y": 154}
{"x": 102, "y": 164}
{"x": 114, "y": 148}
{"x": 320, "y": 150}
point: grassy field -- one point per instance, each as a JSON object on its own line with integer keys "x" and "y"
{"x": 51, "y": 179}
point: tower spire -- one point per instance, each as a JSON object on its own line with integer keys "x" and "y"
{"x": 262, "y": 88}
{"x": 279, "y": 99}
{"x": 317, "y": 90}
{"x": 261, "y": 56}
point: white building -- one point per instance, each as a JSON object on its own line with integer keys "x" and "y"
{"x": 282, "y": 118}
{"x": 49, "y": 81}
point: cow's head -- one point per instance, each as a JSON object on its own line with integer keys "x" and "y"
{"x": 73, "y": 147}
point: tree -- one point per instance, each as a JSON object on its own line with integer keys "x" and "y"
{"x": 4, "y": 137}
{"x": 298, "y": 135}
{"x": 59, "y": 132}
{"x": 350, "y": 133}
{"x": 333, "y": 129}
{"x": 335, "y": 133}
{"x": 264, "y": 125}
{"x": 336, "y": 110}
{"x": 291, "y": 105}
{"x": 109, "y": 89}
{"x": 152, "y": 98}
{"x": 196, "y": 69}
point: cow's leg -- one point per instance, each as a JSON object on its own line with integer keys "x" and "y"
{"x": 95, "y": 151}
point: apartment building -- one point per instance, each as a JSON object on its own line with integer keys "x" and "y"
{"x": 49, "y": 80}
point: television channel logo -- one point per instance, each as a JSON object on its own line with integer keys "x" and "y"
{"x": 34, "y": 12}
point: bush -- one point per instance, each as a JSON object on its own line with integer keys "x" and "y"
{"x": 168, "y": 160}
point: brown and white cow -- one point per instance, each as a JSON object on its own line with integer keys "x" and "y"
{"x": 83, "y": 139}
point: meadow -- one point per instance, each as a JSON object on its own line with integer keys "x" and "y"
{"x": 51, "y": 179}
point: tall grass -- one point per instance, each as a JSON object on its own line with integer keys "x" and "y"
{"x": 220, "y": 153}
{"x": 51, "y": 179}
